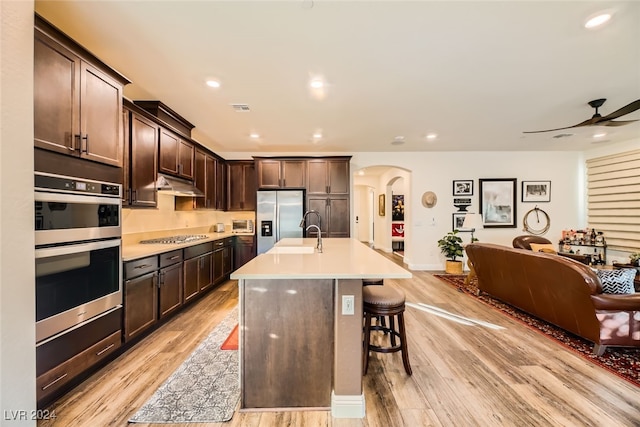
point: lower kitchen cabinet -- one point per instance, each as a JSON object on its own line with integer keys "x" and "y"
{"x": 170, "y": 283}
{"x": 222, "y": 259}
{"x": 63, "y": 359}
{"x": 140, "y": 296}
{"x": 198, "y": 272}
{"x": 244, "y": 251}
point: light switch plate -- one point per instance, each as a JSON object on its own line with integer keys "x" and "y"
{"x": 348, "y": 303}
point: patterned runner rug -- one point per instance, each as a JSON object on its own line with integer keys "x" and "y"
{"x": 204, "y": 389}
{"x": 624, "y": 362}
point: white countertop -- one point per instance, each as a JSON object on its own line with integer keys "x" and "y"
{"x": 342, "y": 258}
{"x": 140, "y": 250}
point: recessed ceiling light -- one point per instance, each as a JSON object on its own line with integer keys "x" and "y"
{"x": 599, "y": 135}
{"x": 317, "y": 135}
{"x": 254, "y": 135}
{"x": 597, "y": 20}
{"x": 316, "y": 84}
{"x": 213, "y": 83}
{"x": 432, "y": 136}
{"x": 361, "y": 172}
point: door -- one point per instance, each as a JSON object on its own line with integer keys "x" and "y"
{"x": 100, "y": 115}
{"x": 56, "y": 92}
{"x": 144, "y": 161}
{"x": 170, "y": 294}
{"x": 140, "y": 304}
{"x": 289, "y": 214}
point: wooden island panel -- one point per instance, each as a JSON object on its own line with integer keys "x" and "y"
{"x": 287, "y": 343}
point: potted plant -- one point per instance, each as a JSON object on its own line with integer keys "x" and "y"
{"x": 451, "y": 246}
{"x": 634, "y": 259}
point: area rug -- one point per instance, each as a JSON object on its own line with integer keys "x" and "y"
{"x": 204, "y": 389}
{"x": 624, "y": 362}
{"x": 231, "y": 343}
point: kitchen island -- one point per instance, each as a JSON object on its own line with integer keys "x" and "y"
{"x": 301, "y": 325}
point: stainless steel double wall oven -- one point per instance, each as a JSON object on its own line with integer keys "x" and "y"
{"x": 78, "y": 252}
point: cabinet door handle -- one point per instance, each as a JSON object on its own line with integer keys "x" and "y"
{"x": 53, "y": 382}
{"x": 86, "y": 144}
{"x": 143, "y": 266}
{"x": 326, "y": 188}
{"x": 134, "y": 195}
{"x": 174, "y": 257}
{"x": 101, "y": 352}
{"x": 161, "y": 280}
{"x": 77, "y": 146}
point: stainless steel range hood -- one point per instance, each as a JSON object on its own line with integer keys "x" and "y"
{"x": 177, "y": 187}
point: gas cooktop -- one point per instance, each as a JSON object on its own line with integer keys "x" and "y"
{"x": 183, "y": 238}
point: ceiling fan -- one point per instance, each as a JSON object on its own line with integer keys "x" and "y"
{"x": 598, "y": 120}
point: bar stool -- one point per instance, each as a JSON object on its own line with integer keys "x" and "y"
{"x": 381, "y": 301}
{"x": 375, "y": 282}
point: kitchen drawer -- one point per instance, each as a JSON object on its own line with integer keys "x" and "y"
{"x": 220, "y": 243}
{"x": 170, "y": 258}
{"x": 64, "y": 347}
{"x": 197, "y": 250}
{"x": 140, "y": 266}
{"x": 56, "y": 378}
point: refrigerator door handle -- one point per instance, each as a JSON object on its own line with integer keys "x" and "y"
{"x": 277, "y": 222}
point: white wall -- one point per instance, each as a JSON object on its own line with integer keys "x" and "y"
{"x": 17, "y": 276}
{"x": 435, "y": 171}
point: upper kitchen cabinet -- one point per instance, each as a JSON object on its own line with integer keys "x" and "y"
{"x": 141, "y": 158}
{"x": 176, "y": 155}
{"x": 77, "y": 99}
{"x": 176, "y": 149}
{"x": 328, "y": 175}
{"x": 241, "y": 189}
{"x": 206, "y": 179}
{"x": 281, "y": 173}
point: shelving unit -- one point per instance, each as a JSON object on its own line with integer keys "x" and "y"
{"x": 594, "y": 250}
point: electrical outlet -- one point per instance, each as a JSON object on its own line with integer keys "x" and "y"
{"x": 348, "y": 303}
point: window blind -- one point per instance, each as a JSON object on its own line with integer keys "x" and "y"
{"x": 613, "y": 199}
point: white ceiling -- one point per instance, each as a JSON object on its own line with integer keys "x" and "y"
{"x": 477, "y": 73}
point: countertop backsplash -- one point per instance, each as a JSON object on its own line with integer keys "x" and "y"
{"x": 141, "y": 224}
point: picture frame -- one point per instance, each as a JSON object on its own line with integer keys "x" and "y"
{"x": 397, "y": 207}
{"x": 381, "y": 205}
{"x": 536, "y": 191}
{"x": 458, "y": 221}
{"x": 498, "y": 202}
{"x": 463, "y": 187}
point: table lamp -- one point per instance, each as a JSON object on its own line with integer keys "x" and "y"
{"x": 472, "y": 221}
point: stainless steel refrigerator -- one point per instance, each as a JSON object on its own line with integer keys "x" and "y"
{"x": 278, "y": 215}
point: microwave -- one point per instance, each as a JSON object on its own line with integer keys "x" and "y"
{"x": 242, "y": 226}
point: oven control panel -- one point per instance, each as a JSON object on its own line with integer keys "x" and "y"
{"x": 75, "y": 185}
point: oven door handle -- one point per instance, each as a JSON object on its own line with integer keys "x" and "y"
{"x": 74, "y": 249}
{"x": 41, "y": 196}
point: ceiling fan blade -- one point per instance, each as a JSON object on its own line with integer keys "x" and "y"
{"x": 616, "y": 123}
{"x": 630, "y": 108}
{"x": 587, "y": 122}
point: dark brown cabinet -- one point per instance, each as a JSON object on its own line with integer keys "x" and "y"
{"x": 222, "y": 259}
{"x": 221, "y": 186}
{"x": 334, "y": 211}
{"x": 77, "y": 100}
{"x": 328, "y": 176}
{"x": 281, "y": 173}
{"x": 141, "y": 164}
{"x": 140, "y": 296}
{"x": 176, "y": 155}
{"x": 170, "y": 283}
{"x": 241, "y": 189}
{"x": 198, "y": 272}
{"x": 244, "y": 251}
{"x": 210, "y": 179}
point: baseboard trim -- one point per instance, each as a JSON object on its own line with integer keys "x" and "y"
{"x": 347, "y": 406}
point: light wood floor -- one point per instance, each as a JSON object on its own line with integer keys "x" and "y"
{"x": 462, "y": 375}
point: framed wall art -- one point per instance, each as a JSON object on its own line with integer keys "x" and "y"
{"x": 397, "y": 207}
{"x": 458, "y": 221}
{"x": 536, "y": 191}
{"x": 498, "y": 202}
{"x": 463, "y": 188}
{"x": 381, "y": 205}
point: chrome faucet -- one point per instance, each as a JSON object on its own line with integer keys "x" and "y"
{"x": 304, "y": 218}
{"x": 319, "y": 243}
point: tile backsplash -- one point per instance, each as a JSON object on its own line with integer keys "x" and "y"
{"x": 165, "y": 217}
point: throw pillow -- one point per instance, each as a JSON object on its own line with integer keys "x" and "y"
{"x": 617, "y": 281}
{"x": 543, "y": 247}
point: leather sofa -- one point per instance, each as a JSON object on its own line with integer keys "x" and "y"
{"x": 524, "y": 242}
{"x": 558, "y": 290}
